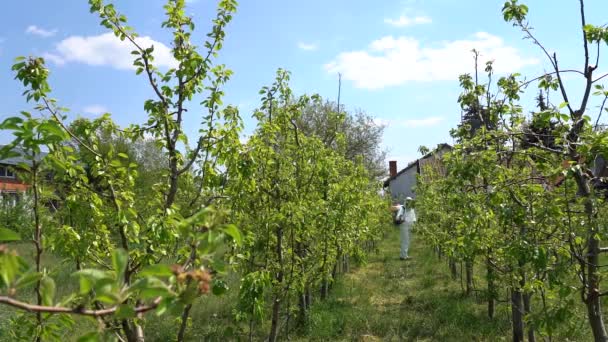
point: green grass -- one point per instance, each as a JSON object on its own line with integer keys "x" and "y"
{"x": 417, "y": 300}
{"x": 386, "y": 299}
{"x": 60, "y": 270}
{"x": 393, "y": 300}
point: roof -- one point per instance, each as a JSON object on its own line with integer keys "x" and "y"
{"x": 415, "y": 162}
{"x": 16, "y": 160}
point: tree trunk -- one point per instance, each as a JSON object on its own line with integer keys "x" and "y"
{"x": 491, "y": 288}
{"x": 324, "y": 288}
{"x": 37, "y": 243}
{"x": 528, "y": 308}
{"x": 453, "y": 269}
{"x": 469, "y": 275}
{"x": 308, "y": 297}
{"x": 276, "y": 304}
{"x": 303, "y": 309}
{"x": 182, "y": 329}
{"x": 274, "y": 327}
{"x": 346, "y": 264}
{"x": 594, "y": 309}
{"x": 334, "y": 275}
{"x": 129, "y": 331}
{"x": 517, "y": 315}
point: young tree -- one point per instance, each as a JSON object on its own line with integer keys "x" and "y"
{"x": 580, "y": 145}
{"x": 313, "y": 209}
{"x": 126, "y": 273}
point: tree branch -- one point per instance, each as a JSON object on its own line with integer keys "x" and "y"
{"x": 561, "y": 86}
{"x": 601, "y": 111}
{"x": 585, "y": 43}
{"x": 74, "y": 311}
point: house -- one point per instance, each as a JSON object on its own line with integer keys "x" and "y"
{"x": 401, "y": 184}
{"x": 12, "y": 187}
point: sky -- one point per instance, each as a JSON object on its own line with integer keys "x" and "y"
{"x": 399, "y": 59}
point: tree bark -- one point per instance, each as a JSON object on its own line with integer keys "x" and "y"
{"x": 37, "y": 241}
{"x": 325, "y": 288}
{"x": 274, "y": 327}
{"x": 528, "y": 308}
{"x": 593, "y": 303}
{"x": 594, "y": 308}
{"x": 469, "y": 275}
{"x": 346, "y": 264}
{"x": 276, "y": 305}
{"x": 182, "y": 329}
{"x": 303, "y": 309}
{"x": 491, "y": 288}
{"x": 453, "y": 269}
{"x": 517, "y": 315}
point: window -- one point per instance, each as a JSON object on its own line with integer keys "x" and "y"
{"x": 6, "y": 172}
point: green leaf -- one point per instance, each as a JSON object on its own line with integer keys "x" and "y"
{"x": 158, "y": 270}
{"x": 120, "y": 259}
{"x": 47, "y": 290}
{"x": 219, "y": 287}
{"x": 150, "y": 288}
{"x": 53, "y": 129}
{"x": 90, "y": 337}
{"x": 27, "y": 279}
{"x": 8, "y": 235}
{"x": 10, "y": 265}
{"x": 88, "y": 278}
{"x": 125, "y": 311}
{"x": 235, "y": 233}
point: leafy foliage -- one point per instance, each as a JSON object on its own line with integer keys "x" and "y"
{"x": 146, "y": 222}
{"x": 526, "y": 194}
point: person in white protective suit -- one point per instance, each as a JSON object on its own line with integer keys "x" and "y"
{"x": 405, "y": 217}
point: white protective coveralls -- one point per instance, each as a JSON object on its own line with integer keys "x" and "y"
{"x": 409, "y": 217}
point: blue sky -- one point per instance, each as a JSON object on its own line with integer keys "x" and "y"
{"x": 400, "y": 59}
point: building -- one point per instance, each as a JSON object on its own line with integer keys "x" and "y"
{"x": 401, "y": 184}
{"x": 12, "y": 186}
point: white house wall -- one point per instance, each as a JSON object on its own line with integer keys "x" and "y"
{"x": 403, "y": 186}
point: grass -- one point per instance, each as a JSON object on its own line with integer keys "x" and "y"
{"x": 393, "y": 300}
{"x": 386, "y": 299}
{"x": 60, "y": 270}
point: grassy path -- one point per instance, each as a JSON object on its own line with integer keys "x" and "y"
{"x": 393, "y": 300}
{"x": 386, "y": 299}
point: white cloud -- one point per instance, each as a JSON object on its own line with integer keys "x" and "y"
{"x": 38, "y": 31}
{"x": 391, "y": 61}
{"x": 95, "y": 109}
{"x": 307, "y": 46}
{"x": 404, "y": 21}
{"x": 106, "y": 49}
{"x": 58, "y": 60}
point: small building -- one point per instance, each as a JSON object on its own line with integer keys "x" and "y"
{"x": 12, "y": 186}
{"x": 401, "y": 184}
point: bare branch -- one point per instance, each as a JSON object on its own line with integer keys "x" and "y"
{"x": 74, "y": 311}
{"x": 65, "y": 128}
{"x": 601, "y": 111}
{"x": 585, "y": 43}
{"x": 561, "y": 85}
{"x": 599, "y": 78}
